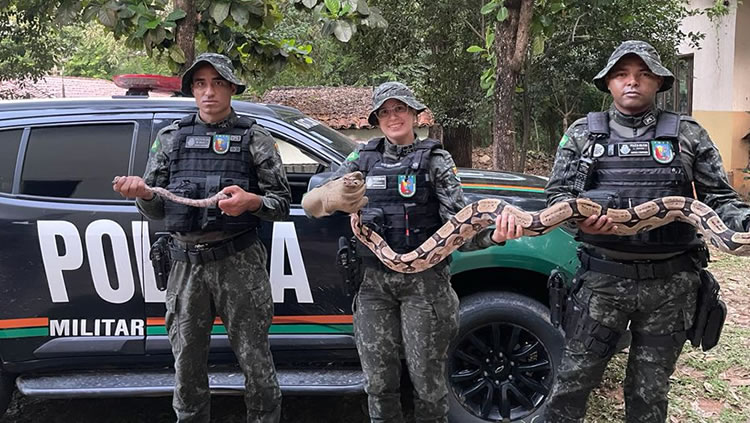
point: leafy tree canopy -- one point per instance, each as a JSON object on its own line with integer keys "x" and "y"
{"x": 241, "y": 29}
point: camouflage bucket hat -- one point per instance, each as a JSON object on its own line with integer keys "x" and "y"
{"x": 221, "y": 63}
{"x": 646, "y": 52}
{"x": 395, "y": 90}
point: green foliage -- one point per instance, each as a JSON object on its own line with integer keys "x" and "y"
{"x": 28, "y": 48}
{"x": 342, "y": 17}
{"x": 719, "y": 9}
{"x": 570, "y": 43}
{"x": 425, "y": 47}
{"x": 568, "y": 53}
{"x": 92, "y": 52}
{"x": 241, "y": 29}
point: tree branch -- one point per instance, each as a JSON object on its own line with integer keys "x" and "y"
{"x": 479, "y": 34}
{"x": 523, "y": 33}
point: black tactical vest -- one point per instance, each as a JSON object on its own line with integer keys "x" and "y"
{"x": 631, "y": 171}
{"x": 402, "y": 207}
{"x": 203, "y": 161}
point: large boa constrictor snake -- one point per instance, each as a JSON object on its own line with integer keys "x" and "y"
{"x": 481, "y": 214}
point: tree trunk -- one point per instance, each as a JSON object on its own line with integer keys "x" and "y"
{"x": 185, "y": 31}
{"x": 511, "y": 42}
{"x": 458, "y": 142}
{"x": 526, "y": 130}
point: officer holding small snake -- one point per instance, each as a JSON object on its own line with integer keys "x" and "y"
{"x": 218, "y": 262}
{"x": 412, "y": 187}
{"x": 620, "y": 158}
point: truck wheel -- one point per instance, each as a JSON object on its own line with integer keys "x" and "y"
{"x": 502, "y": 363}
{"x": 6, "y": 390}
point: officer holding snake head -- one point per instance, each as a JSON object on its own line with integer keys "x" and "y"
{"x": 412, "y": 187}
{"x": 218, "y": 262}
{"x": 620, "y": 158}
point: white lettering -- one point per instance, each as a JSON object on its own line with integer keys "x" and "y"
{"x": 54, "y": 263}
{"x": 59, "y": 328}
{"x": 85, "y": 332}
{"x": 95, "y": 247}
{"x": 122, "y": 328}
{"x": 137, "y": 328}
{"x": 108, "y": 326}
{"x": 284, "y": 238}
{"x": 284, "y": 242}
{"x": 97, "y": 327}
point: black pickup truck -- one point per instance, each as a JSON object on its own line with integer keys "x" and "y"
{"x": 81, "y": 315}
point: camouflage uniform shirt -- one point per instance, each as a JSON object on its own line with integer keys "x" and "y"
{"x": 700, "y": 160}
{"x": 271, "y": 177}
{"x": 445, "y": 180}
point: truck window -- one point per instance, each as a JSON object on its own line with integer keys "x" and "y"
{"x": 77, "y": 161}
{"x": 9, "y": 142}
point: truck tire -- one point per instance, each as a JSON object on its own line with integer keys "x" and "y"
{"x": 502, "y": 363}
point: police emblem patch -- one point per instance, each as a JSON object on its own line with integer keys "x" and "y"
{"x": 220, "y": 143}
{"x": 663, "y": 152}
{"x": 407, "y": 185}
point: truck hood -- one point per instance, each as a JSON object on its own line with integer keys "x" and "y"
{"x": 521, "y": 190}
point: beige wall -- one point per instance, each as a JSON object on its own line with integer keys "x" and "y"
{"x": 721, "y": 84}
{"x": 714, "y": 62}
{"x": 366, "y": 134}
{"x": 727, "y": 130}
{"x": 742, "y": 59}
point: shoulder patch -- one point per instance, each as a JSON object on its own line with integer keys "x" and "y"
{"x": 564, "y": 140}
{"x": 354, "y": 155}
{"x": 155, "y": 145}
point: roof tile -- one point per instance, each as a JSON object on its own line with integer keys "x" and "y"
{"x": 343, "y": 107}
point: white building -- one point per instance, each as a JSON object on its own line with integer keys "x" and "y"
{"x": 714, "y": 84}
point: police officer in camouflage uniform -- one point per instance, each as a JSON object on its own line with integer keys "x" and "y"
{"x": 413, "y": 188}
{"x": 218, "y": 262}
{"x": 630, "y": 154}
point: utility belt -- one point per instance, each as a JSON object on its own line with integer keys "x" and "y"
{"x": 644, "y": 269}
{"x": 573, "y": 316}
{"x": 370, "y": 260}
{"x": 212, "y": 251}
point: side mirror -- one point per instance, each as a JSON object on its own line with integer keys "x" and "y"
{"x": 318, "y": 179}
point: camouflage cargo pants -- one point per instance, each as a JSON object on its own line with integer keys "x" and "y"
{"x": 413, "y": 313}
{"x": 238, "y": 290}
{"x": 654, "y": 307}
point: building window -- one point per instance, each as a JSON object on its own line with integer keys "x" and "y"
{"x": 680, "y": 98}
{"x": 77, "y": 161}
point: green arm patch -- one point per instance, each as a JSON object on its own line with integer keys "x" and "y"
{"x": 563, "y": 140}
{"x": 155, "y": 145}
{"x": 354, "y": 155}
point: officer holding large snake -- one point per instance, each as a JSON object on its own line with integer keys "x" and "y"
{"x": 218, "y": 262}
{"x": 413, "y": 187}
{"x": 632, "y": 153}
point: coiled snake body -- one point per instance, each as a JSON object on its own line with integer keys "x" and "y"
{"x": 481, "y": 214}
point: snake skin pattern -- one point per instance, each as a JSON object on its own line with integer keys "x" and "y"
{"x": 477, "y": 216}
{"x": 481, "y": 214}
{"x": 204, "y": 202}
